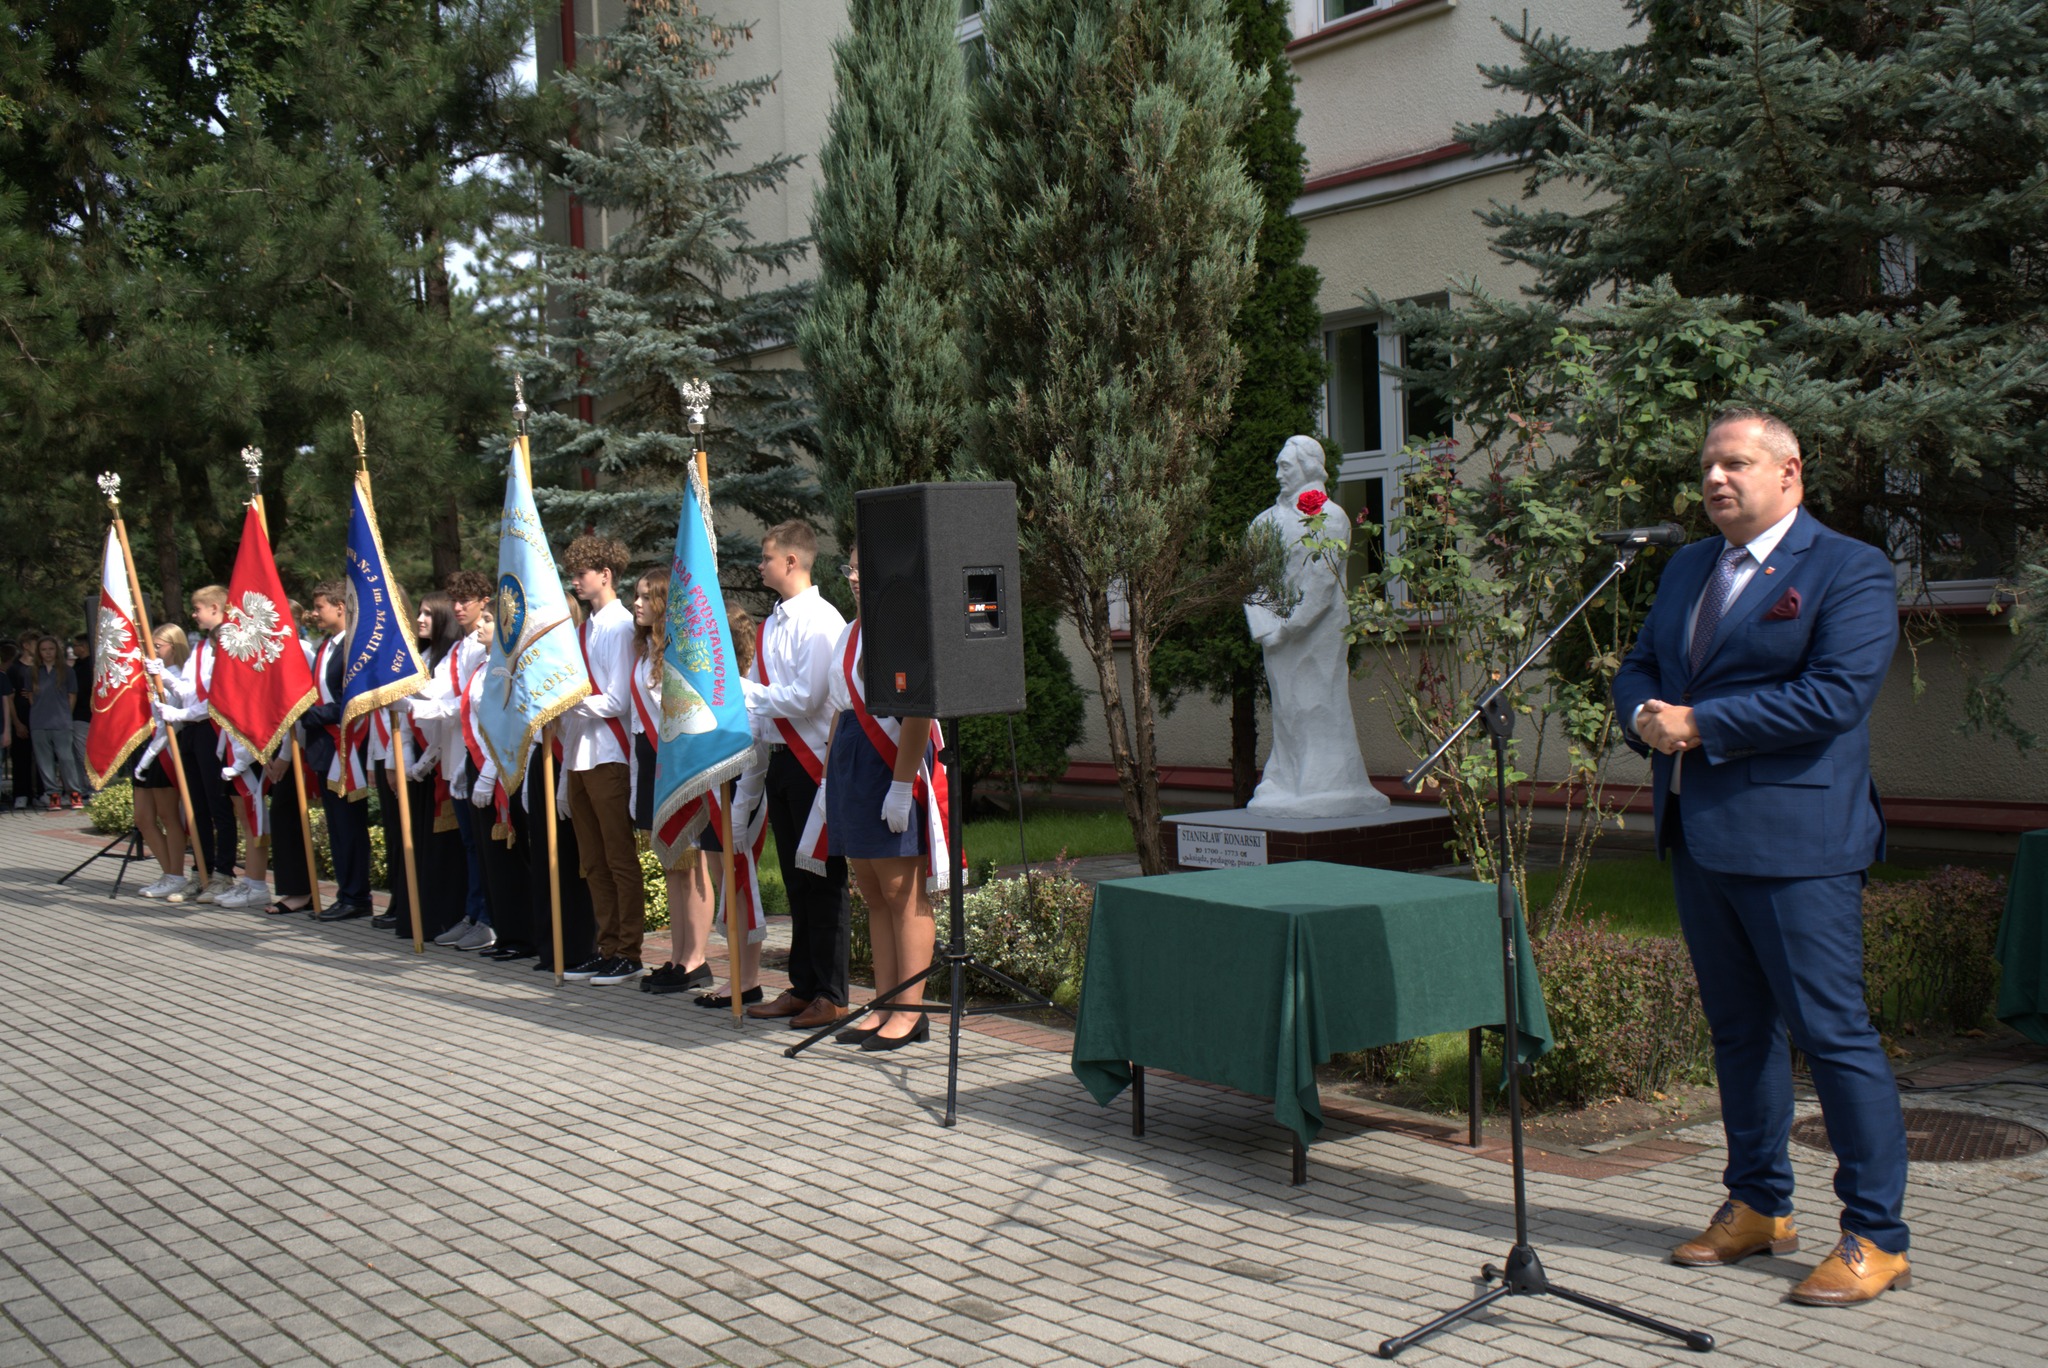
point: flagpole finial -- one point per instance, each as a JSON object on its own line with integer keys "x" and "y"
{"x": 355, "y": 427}
{"x": 110, "y": 485}
{"x": 696, "y": 398}
{"x": 519, "y": 401}
{"x": 252, "y": 461}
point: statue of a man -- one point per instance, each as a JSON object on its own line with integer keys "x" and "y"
{"x": 1314, "y": 769}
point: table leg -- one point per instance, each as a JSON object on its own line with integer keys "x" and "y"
{"x": 1300, "y": 1174}
{"x": 1137, "y": 1099}
{"x": 1473, "y": 1077}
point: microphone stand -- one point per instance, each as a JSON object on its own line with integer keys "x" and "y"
{"x": 1524, "y": 1275}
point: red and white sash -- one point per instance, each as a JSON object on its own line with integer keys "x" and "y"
{"x": 618, "y": 727}
{"x": 928, "y": 791}
{"x": 344, "y": 771}
{"x": 791, "y": 738}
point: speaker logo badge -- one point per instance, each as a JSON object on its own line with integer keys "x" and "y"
{"x": 902, "y": 682}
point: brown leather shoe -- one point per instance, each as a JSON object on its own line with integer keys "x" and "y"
{"x": 1856, "y": 1271}
{"x": 821, "y": 1012}
{"x": 787, "y": 1005}
{"x": 1736, "y": 1232}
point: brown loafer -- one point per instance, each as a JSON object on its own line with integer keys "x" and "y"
{"x": 787, "y": 1005}
{"x": 1856, "y": 1271}
{"x": 821, "y": 1012}
{"x": 1736, "y": 1232}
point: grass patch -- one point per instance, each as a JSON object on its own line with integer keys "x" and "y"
{"x": 1046, "y": 834}
{"x": 1634, "y": 896}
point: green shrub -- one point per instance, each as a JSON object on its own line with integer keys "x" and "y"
{"x": 112, "y": 809}
{"x": 1625, "y": 1017}
{"x": 1928, "y": 949}
{"x": 1039, "y": 938}
{"x": 323, "y": 852}
{"x": 654, "y": 883}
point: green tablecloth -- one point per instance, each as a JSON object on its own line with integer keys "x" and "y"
{"x": 1252, "y": 977}
{"x": 2023, "y": 942}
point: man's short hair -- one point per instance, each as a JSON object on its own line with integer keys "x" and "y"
{"x": 467, "y": 584}
{"x": 793, "y": 538}
{"x": 590, "y": 552}
{"x": 1777, "y": 435}
{"x": 334, "y": 591}
{"x": 212, "y": 595}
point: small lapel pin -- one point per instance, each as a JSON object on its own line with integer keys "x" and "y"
{"x": 1770, "y": 569}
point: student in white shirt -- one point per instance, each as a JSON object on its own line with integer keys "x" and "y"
{"x": 788, "y": 708}
{"x": 598, "y": 752}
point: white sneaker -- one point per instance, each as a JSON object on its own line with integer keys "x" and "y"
{"x": 215, "y": 886}
{"x": 162, "y": 886}
{"x": 455, "y": 934}
{"x": 246, "y": 893}
{"x": 187, "y": 890}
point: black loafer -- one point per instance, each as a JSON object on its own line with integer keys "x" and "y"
{"x": 717, "y": 1000}
{"x": 341, "y": 912}
{"x": 383, "y": 921}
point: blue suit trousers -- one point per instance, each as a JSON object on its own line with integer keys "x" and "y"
{"x": 1778, "y": 957}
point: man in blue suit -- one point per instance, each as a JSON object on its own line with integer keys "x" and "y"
{"x": 1752, "y": 683}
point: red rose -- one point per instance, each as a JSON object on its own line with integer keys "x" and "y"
{"x": 1311, "y": 501}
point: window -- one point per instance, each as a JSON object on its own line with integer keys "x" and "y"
{"x": 972, "y": 42}
{"x": 1369, "y": 414}
{"x": 1333, "y": 10}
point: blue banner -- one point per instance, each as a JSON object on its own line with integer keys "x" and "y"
{"x": 536, "y": 670}
{"x": 382, "y": 664}
{"x": 704, "y": 737}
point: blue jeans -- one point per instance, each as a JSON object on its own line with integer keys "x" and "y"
{"x": 1785, "y": 956}
{"x": 58, "y": 757}
{"x": 477, "y": 906}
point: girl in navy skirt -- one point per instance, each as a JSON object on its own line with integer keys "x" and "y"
{"x": 885, "y": 811}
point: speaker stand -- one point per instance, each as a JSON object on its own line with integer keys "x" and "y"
{"x": 955, "y": 961}
{"x": 133, "y": 854}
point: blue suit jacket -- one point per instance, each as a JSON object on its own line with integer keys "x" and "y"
{"x": 1780, "y": 786}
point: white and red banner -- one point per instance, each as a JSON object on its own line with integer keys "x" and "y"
{"x": 120, "y": 687}
{"x": 261, "y": 682}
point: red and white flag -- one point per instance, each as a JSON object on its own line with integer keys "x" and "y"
{"x": 261, "y": 682}
{"x": 120, "y": 687}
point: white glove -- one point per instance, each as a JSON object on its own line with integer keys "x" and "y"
{"x": 896, "y": 807}
{"x": 228, "y": 773}
{"x": 156, "y": 707}
{"x": 153, "y": 667}
{"x": 480, "y": 792}
{"x": 419, "y": 769}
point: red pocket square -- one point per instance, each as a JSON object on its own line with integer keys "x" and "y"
{"x": 1785, "y": 608}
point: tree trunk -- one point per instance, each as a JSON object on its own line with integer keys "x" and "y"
{"x": 445, "y": 531}
{"x": 1244, "y": 736}
{"x": 1151, "y": 848}
{"x": 170, "y": 580}
{"x": 1093, "y": 616}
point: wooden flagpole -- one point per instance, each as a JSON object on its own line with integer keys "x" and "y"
{"x": 734, "y": 931}
{"x": 412, "y": 873}
{"x": 547, "y": 734}
{"x": 112, "y": 485}
{"x": 298, "y": 757}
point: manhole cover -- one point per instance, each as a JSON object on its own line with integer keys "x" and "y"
{"x": 1945, "y": 1137}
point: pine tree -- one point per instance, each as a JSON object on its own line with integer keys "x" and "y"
{"x": 1278, "y": 330}
{"x": 883, "y": 338}
{"x": 1866, "y": 183}
{"x": 1111, "y": 247}
{"x": 683, "y": 291}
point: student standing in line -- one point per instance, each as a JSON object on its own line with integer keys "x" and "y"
{"x": 7, "y": 705}
{"x": 436, "y": 833}
{"x": 336, "y": 762}
{"x": 200, "y": 742}
{"x": 49, "y": 723}
{"x": 21, "y": 752}
{"x": 444, "y": 710}
{"x": 158, "y": 815}
{"x": 287, "y": 839}
{"x": 81, "y": 703}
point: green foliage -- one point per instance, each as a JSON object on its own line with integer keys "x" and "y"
{"x": 112, "y": 810}
{"x": 1049, "y": 834}
{"x": 653, "y": 884}
{"x": 1111, "y": 237}
{"x": 1278, "y": 330}
{"x": 1625, "y": 1015}
{"x": 1038, "y": 936}
{"x": 1862, "y": 185}
{"x": 882, "y": 338}
{"x": 323, "y": 852}
{"x": 681, "y": 291}
{"x": 1051, "y": 723}
{"x": 1929, "y": 949}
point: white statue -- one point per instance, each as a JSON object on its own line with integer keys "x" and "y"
{"x": 1314, "y": 769}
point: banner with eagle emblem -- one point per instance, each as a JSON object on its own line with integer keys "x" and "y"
{"x": 120, "y": 688}
{"x": 536, "y": 671}
{"x": 261, "y": 682}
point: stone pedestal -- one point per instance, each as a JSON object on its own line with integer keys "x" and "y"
{"x": 1405, "y": 837}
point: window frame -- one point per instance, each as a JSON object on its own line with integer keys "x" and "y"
{"x": 1387, "y": 462}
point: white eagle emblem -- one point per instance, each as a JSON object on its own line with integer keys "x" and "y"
{"x": 254, "y": 633}
{"x": 114, "y": 656}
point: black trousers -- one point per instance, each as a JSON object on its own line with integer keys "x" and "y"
{"x": 579, "y": 923}
{"x": 348, "y": 842}
{"x": 819, "y": 915}
{"x": 429, "y": 853}
{"x": 213, "y": 802}
{"x": 506, "y": 874}
{"x": 288, "y": 838}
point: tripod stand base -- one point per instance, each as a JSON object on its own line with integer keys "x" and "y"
{"x": 1524, "y": 1277}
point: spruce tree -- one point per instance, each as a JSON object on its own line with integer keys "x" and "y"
{"x": 682, "y": 291}
{"x": 1278, "y": 330}
{"x": 1111, "y": 247}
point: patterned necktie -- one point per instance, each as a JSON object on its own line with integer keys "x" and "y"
{"x": 1715, "y": 604}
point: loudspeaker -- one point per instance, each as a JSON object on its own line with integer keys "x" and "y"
{"x": 940, "y": 631}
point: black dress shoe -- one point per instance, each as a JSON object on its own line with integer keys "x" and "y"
{"x": 717, "y": 1000}
{"x": 922, "y": 1031}
{"x": 855, "y": 1035}
{"x": 383, "y": 921}
{"x": 341, "y": 912}
{"x": 543, "y": 966}
{"x": 671, "y": 979}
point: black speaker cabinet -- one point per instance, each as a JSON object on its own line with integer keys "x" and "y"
{"x": 940, "y": 632}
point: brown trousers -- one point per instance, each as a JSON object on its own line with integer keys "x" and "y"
{"x": 599, "y": 808}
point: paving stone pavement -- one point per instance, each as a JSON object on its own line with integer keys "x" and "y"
{"x": 232, "y": 1139}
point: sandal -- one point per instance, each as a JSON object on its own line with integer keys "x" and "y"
{"x": 715, "y": 1000}
{"x": 282, "y": 908}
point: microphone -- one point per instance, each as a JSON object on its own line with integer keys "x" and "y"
{"x": 1663, "y": 534}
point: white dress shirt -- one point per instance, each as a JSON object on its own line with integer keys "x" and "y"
{"x": 1759, "y": 548}
{"x": 796, "y": 659}
{"x": 594, "y": 731}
